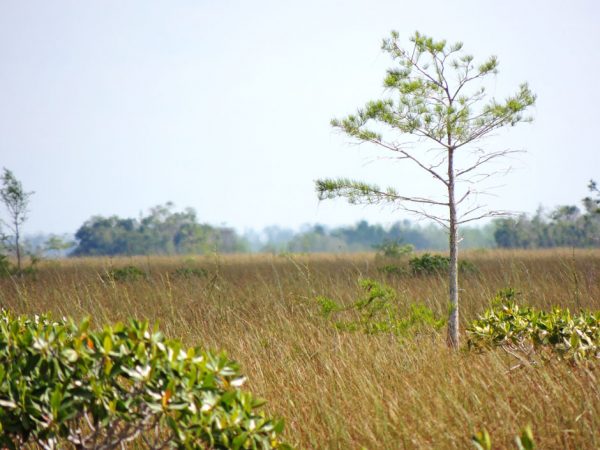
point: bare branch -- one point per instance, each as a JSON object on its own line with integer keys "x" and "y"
{"x": 443, "y": 221}
{"x": 485, "y": 215}
{"x": 486, "y": 158}
{"x": 464, "y": 197}
{"x": 406, "y": 155}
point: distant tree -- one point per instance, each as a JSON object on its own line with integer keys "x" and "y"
{"x": 275, "y": 239}
{"x": 316, "y": 240}
{"x": 362, "y": 234}
{"x": 508, "y": 233}
{"x": 191, "y": 238}
{"x": 438, "y": 98}
{"x": 57, "y": 244}
{"x": 16, "y": 202}
{"x": 592, "y": 205}
{"x": 108, "y": 236}
{"x": 592, "y": 216}
{"x": 162, "y": 232}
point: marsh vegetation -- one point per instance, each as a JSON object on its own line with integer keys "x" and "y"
{"x": 341, "y": 388}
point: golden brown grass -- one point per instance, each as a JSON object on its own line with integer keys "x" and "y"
{"x": 350, "y": 390}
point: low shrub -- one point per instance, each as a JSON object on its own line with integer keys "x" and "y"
{"x": 428, "y": 264}
{"x": 62, "y": 383}
{"x": 127, "y": 273}
{"x": 327, "y": 305}
{"x": 525, "y": 331}
{"x": 380, "y": 312}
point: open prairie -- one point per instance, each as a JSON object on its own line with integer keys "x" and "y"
{"x": 342, "y": 389}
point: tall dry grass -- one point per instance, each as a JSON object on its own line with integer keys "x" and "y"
{"x": 349, "y": 390}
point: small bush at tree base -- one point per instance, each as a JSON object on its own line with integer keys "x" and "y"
{"x": 428, "y": 264}
{"x": 62, "y": 383}
{"x": 380, "y": 312}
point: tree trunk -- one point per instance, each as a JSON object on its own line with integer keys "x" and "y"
{"x": 453, "y": 336}
{"x": 18, "y": 249}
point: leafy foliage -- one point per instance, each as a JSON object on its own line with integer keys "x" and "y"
{"x": 61, "y": 382}
{"x": 523, "y": 330}
{"x": 428, "y": 264}
{"x": 327, "y": 305}
{"x": 380, "y": 312}
{"x": 127, "y": 273}
{"x": 162, "y": 231}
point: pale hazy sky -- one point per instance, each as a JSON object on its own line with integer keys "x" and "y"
{"x": 111, "y": 107}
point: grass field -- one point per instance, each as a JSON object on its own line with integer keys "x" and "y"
{"x": 350, "y": 390}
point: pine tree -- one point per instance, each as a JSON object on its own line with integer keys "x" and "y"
{"x": 438, "y": 97}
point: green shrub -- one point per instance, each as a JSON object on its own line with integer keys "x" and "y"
{"x": 530, "y": 332}
{"x": 428, "y": 264}
{"x": 327, "y": 305}
{"x": 62, "y": 383}
{"x": 127, "y": 273}
{"x": 380, "y": 312}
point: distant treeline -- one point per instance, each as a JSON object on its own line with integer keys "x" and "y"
{"x": 167, "y": 232}
{"x": 164, "y": 231}
{"x": 566, "y": 226}
{"x": 362, "y": 237}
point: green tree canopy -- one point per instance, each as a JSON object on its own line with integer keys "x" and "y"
{"x": 163, "y": 232}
